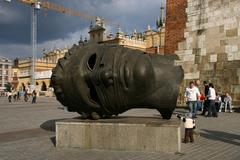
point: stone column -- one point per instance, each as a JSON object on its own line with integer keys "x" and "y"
{"x": 3, "y": 80}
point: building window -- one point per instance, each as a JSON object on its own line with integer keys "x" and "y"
{"x": 6, "y": 66}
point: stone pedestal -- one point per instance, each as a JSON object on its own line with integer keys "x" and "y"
{"x": 122, "y": 133}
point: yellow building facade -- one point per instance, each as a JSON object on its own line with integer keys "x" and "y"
{"x": 22, "y": 73}
{"x": 151, "y": 41}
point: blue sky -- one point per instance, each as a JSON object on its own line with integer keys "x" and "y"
{"x": 56, "y": 30}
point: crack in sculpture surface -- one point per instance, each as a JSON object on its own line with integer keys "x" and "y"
{"x": 103, "y": 80}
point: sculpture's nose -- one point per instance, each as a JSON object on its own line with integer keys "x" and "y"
{"x": 107, "y": 77}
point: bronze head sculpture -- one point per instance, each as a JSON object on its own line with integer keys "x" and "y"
{"x": 104, "y": 80}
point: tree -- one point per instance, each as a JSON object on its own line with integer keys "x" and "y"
{"x": 8, "y": 87}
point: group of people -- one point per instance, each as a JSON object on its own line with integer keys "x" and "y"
{"x": 25, "y": 94}
{"x": 210, "y": 102}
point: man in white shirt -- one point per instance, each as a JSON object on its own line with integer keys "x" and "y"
{"x": 212, "y": 97}
{"x": 192, "y": 94}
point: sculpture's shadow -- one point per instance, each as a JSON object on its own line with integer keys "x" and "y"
{"x": 50, "y": 125}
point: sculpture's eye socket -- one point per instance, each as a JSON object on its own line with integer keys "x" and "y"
{"x": 92, "y": 61}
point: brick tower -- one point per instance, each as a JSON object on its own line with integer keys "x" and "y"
{"x": 175, "y": 24}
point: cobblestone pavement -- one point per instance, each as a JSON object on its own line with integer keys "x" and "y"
{"x": 27, "y": 133}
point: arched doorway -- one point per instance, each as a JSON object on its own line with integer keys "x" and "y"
{"x": 44, "y": 86}
{"x": 23, "y": 87}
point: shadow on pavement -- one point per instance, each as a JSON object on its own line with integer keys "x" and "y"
{"x": 221, "y": 136}
{"x": 53, "y": 140}
{"x": 50, "y": 125}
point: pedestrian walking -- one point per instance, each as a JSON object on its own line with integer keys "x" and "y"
{"x": 25, "y": 96}
{"x": 9, "y": 95}
{"x": 206, "y": 102}
{"x": 18, "y": 96}
{"x": 15, "y": 96}
{"x": 211, "y": 97}
{"x": 192, "y": 95}
{"x": 34, "y": 96}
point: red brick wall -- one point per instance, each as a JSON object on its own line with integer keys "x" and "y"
{"x": 175, "y": 24}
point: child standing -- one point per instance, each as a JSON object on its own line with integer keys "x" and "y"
{"x": 189, "y": 125}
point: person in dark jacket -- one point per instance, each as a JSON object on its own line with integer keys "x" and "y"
{"x": 34, "y": 96}
{"x": 206, "y": 102}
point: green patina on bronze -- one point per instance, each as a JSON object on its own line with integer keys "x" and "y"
{"x": 103, "y": 80}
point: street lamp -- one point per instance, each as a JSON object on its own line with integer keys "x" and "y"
{"x": 35, "y": 5}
